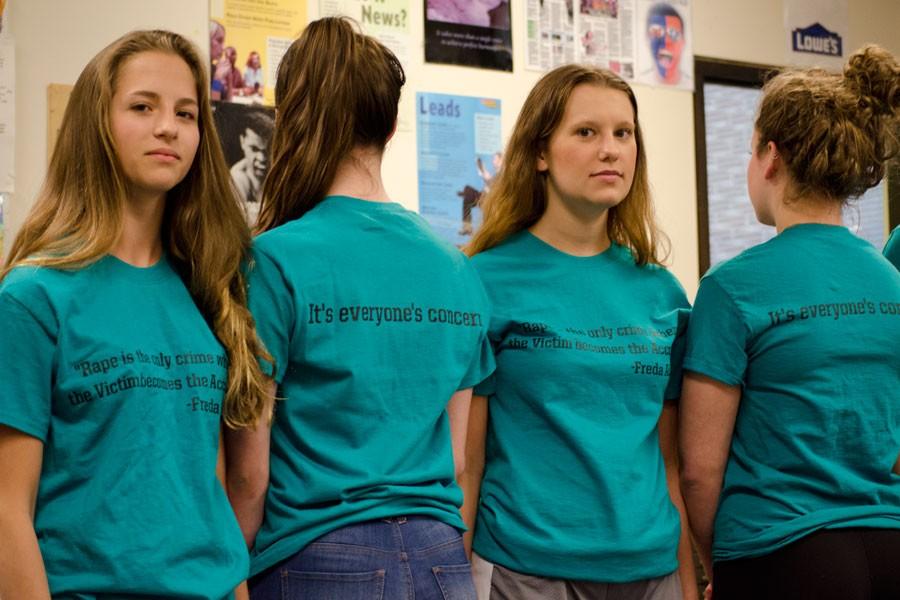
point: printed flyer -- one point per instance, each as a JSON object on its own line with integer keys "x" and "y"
{"x": 247, "y": 39}
{"x": 473, "y": 33}
{"x": 459, "y": 153}
{"x": 385, "y": 20}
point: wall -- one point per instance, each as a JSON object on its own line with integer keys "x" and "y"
{"x": 55, "y": 38}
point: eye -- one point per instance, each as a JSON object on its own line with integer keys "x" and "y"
{"x": 624, "y": 133}
{"x": 186, "y": 114}
{"x": 140, "y": 107}
{"x": 584, "y": 132}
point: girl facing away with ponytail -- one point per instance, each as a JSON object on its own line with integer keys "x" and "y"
{"x": 127, "y": 343}
{"x": 790, "y": 429}
{"x": 378, "y": 332}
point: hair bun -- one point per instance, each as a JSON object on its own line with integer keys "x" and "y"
{"x": 873, "y": 74}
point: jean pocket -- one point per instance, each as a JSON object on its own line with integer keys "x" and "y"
{"x": 455, "y": 582}
{"x": 309, "y": 585}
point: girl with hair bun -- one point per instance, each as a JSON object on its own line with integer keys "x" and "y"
{"x": 571, "y": 480}
{"x": 378, "y": 331}
{"x": 126, "y": 343}
{"x": 790, "y": 423}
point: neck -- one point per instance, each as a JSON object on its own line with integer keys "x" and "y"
{"x": 140, "y": 243}
{"x": 573, "y": 233}
{"x": 808, "y": 209}
{"x": 359, "y": 175}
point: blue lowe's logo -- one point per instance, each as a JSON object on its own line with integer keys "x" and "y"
{"x": 815, "y": 39}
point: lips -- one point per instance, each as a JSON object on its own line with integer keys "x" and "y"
{"x": 607, "y": 174}
{"x": 664, "y": 58}
{"x": 164, "y": 153}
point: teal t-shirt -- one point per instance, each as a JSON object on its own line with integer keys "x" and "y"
{"x": 574, "y": 484}
{"x": 374, "y": 323}
{"x": 807, "y": 323}
{"x": 115, "y": 370}
{"x": 892, "y": 248}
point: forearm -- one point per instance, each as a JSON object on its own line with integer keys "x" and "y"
{"x": 470, "y": 482}
{"x": 701, "y": 499}
{"x": 22, "y": 574}
{"x": 248, "y": 501}
{"x": 686, "y": 571}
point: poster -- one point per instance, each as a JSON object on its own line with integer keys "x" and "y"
{"x": 385, "y": 20}
{"x": 459, "y": 152}
{"x": 247, "y": 39}
{"x": 644, "y": 41}
{"x": 815, "y": 31}
{"x": 606, "y": 35}
{"x": 476, "y": 33}
{"x": 246, "y": 136}
{"x": 663, "y": 38}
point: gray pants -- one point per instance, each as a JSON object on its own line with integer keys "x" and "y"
{"x": 493, "y": 582}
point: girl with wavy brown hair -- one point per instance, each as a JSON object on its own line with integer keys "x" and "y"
{"x": 790, "y": 429}
{"x": 571, "y": 478}
{"x": 124, "y": 312}
{"x": 378, "y": 331}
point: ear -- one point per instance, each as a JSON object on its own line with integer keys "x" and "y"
{"x": 773, "y": 160}
{"x": 542, "y": 165}
{"x": 393, "y": 131}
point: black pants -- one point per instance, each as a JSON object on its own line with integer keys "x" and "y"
{"x": 833, "y": 564}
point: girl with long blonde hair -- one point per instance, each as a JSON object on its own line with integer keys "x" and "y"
{"x": 571, "y": 478}
{"x": 378, "y": 330}
{"x": 127, "y": 343}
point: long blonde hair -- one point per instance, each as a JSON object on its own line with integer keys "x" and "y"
{"x": 77, "y": 217}
{"x": 336, "y": 89}
{"x": 518, "y": 197}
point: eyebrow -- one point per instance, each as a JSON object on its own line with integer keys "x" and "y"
{"x": 154, "y": 96}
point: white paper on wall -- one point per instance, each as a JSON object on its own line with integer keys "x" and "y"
{"x": 7, "y": 114}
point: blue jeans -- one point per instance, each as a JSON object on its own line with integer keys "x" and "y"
{"x": 386, "y": 559}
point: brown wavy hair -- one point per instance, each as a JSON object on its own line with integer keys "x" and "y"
{"x": 834, "y": 131}
{"x": 77, "y": 216}
{"x": 336, "y": 89}
{"x": 518, "y": 196}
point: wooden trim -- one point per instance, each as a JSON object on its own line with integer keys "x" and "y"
{"x": 710, "y": 70}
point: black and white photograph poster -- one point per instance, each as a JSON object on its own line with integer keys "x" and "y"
{"x": 246, "y": 135}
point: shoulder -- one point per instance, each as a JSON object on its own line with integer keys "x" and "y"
{"x": 43, "y": 293}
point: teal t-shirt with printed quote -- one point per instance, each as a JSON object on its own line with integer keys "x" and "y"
{"x": 892, "y": 248}
{"x": 574, "y": 484}
{"x": 374, "y": 323}
{"x": 807, "y": 323}
{"x": 115, "y": 370}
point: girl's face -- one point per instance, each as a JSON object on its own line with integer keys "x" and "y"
{"x": 591, "y": 156}
{"x": 153, "y": 118}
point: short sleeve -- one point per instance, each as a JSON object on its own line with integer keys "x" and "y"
{"x": 717, "y": 336}
{"x": 271, "y": 303}
{"x": 679, "y": 344}
{"x": 27, "y": 349}
{"x": 482, "y": 366}
{"x": 892, "y": 248}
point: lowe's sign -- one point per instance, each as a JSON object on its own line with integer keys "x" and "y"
{"x": 815, "y": 39}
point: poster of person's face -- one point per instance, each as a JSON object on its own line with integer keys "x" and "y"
{"x": 473, "y": 33}
{"x": 246, "y": 135}
{"x": 666, "y": 56}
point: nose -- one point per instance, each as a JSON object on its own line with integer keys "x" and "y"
{"x": 607, "y": 150}
{"x": 165, "y": 126}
